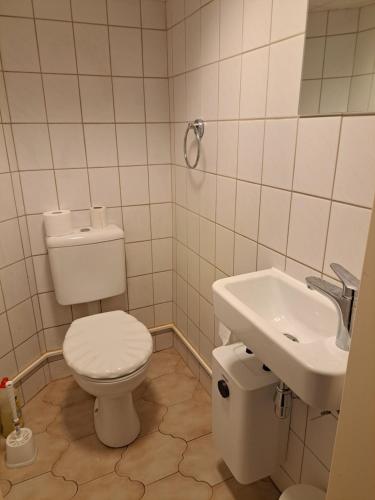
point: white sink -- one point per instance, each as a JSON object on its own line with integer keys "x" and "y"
{"x": 260, "y": 308}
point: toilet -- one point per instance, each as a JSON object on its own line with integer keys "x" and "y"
{"x": 302, "y": 492}
{"x": 109, "y": 352}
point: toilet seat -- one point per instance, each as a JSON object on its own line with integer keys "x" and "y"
{"x": 107, "y": 346}
{"x": 302, "y": 492}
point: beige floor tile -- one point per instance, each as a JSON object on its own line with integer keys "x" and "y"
{"x": 86, "y": 459}
{"x": 112, "y": 487}
{"x": 150, "y": 415}
{"x": 4, "y": 486}
{"x": 183, "y": 368}
{"x": 49, "y": 450}
{"x": 170, "y": 389}
{"x": 163, "y": 362}
{"x": 45, "y": 487}
{"x": 201, "y": 395}
{"x": 232, "y": 490}
{"x": 202, "y": 462}
{"x": 74, "y": 421}
{"x": 151, "y": 457}
{"x": 187, "y": 420}
{"x": 177, "y": 487}
{"x": 38, "y": 414}
{"x": 64, "y": 392}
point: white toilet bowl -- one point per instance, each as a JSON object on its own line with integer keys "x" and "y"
{"x": 109, "y": 354}
{"x": 302, "y": 492}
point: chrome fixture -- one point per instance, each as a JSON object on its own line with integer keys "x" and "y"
{"x": 344, "y": 299}
{"x": 282, "y": 401}
{"x": 198, "y": 127}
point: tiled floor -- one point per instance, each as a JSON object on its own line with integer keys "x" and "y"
{"x": 173, "y": 459}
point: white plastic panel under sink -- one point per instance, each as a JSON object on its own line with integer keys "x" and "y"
{"x": 290, "y": 328}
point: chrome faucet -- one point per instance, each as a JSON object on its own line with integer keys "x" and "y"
{"x": 344, "y": 299}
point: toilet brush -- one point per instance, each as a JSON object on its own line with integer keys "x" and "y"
{"x": 20, "y": 446}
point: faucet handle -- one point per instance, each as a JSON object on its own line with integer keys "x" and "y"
{"x": 350, "y": 282}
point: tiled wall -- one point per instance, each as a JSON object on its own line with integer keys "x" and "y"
{"x": 271, "y": 189}
{"x": 338, "y": 70}
{"x": 84, "y": 98}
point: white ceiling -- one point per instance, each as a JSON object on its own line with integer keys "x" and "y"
{"x": 337, "y": 4}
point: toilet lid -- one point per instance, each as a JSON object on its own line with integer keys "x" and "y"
{"x": 107, "y": 345}
{"x": 302, "y": 492}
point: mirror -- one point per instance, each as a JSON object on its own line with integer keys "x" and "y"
{"x": 338, "y": 67}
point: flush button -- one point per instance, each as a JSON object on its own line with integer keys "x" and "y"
{"x": 84, "y": 229}
{"x": 223, "y": 388}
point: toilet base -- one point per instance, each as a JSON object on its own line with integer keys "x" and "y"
{"x": 116, "y": 420}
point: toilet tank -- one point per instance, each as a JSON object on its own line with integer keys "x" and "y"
{"x": 88, "y": 264}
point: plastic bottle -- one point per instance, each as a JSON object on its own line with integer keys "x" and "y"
{"x": 7, "y": 425}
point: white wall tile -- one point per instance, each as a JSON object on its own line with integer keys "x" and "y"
{"x": 207, "y": 240}
{"x": 137, "y": 223}
{"x": 101, "y": 145}
{"x": 193, "y": 41}
{"x": 348, "y": 251}
{"x": 292, "y": 465}
{"x": 89, "y": 11}
{"x": 158, "y": 143}
{"x": 52, "y": 9}
{"x": 25, "y": 95}
{"x": 178, "y": 43}
{"x": 162, "y": 254}
{"x": 279, "y": 150}
{"x": 210, "y": 91}
{"x": 162, "y": 283}
{"x": 124, "y": 12}
{"x": 43, "y": 275}
{"x": 134, "y": 185}
{"x": 256, "y": 23}
{"x": 126, "y": 51}
{"x": 308, "y": 229}
{"x": 316, "y": 154}
{"x": 62, "y": 98}
{"x": 355, "y": 176}
{"x": 284, "y": 77}
{"x": 16, "y": 8}
{"x": 314, "y": 57}
{"x": 56, "y": 47}
{"x": 247, "y": 209}
{"x": 96, "y": 99}
{"x": 157, "y": 100}
{"x": 225, "y": 201}
{"x": 5, "y": 338}
{"x": 140, "y": 291}
{"x": 313, "y": 471}
{"x": 138, "y": 258}
{"x": 53, "y": 314}
{"x": 250, "y": 150}
{"x": 160, "y": 183}
{"x": 245, "y": 255}
{"x": 154, "y": 53}
{"x": 153, "y": 14}
{"x": 210, "y": 19}
{"x": 288, "y": 18}
{"x": 161, "y": 220}
{"x": 334, "y": 95}
{"x": 131, "y": 143}
{"x": 15, "y": 284}
{"x": 7, "y": 203}
{"x": 27, "y": 352}
{"x": 92, "y": 49}
{"x": 18, "y": 45}
{"x": 229, "y": 88}
{"x": 342, "y": 21}
{"x": 339, "y": 56}
{"x": 224, "y": 249}
{"x": 231, "y": 13}
{"x": 320, "y": 437}
{"x": 10, "y": 243}
{"x": 274, "y": 218}
{"x": 128, "y": 99}
{"x": 21, "y": 322}
{"x": 34, "y": 183}
{"x": 33, "y": 147}
{"x": 73, "y": 189}
{"x": 254, "y": 84}
{"x": 227, "y": 148}
{"x": 68, "y": 148}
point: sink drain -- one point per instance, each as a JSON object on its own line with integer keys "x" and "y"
{"x": 291, "y": 337}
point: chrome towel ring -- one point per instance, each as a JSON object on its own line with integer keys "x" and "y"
{"x": 198, "y": 127}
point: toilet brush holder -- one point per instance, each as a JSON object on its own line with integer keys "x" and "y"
{"x": 20, "y": 445}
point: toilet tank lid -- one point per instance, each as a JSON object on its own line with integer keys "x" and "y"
{"x": 86, "y": 236}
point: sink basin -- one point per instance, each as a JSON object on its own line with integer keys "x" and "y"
{"x": 289, "y": 328}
